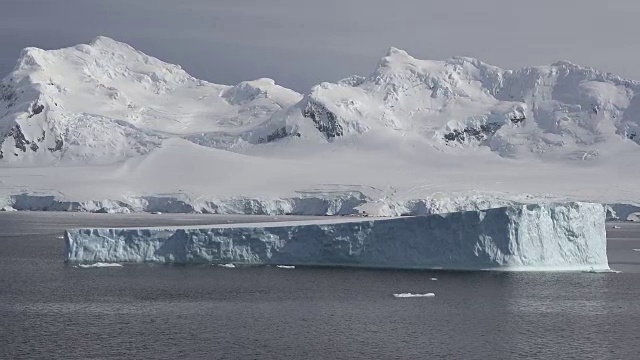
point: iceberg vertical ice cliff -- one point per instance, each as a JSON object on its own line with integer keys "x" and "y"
{"x": 569, "y": 236}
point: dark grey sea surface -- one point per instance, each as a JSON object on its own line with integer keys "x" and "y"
{"x": 49, "y": 309}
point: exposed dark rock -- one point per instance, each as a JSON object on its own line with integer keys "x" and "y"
{"x": 280, "y": 133}
{"x": 36, "y": 109}
{"x": 8, "y": 94}
{"x": 58, "y": 147}
{"x": 490, "y": 128}
{"x": 20, "y": 141}
{"x": 517, "y": 120}
{"x": 34, "y": 146}
{"x": 325, "y": 121}
{"x": 481, "y": 134}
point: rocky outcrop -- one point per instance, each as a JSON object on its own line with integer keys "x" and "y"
{"x": 325, "y": 121}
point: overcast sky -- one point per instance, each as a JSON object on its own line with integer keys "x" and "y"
{"x": 301, "y": 42}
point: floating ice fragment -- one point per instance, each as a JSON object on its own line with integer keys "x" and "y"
{"x": 230, "y": 266}
{"x": 411, "y": 295}
{"x": 285, "y": 266}
{"x": 616, "y": 227}
{"x": 601, "y": 271}
{"x": 638, "y": 250}
{"x": 98, "y": 265}
{"x": 434, "y": 279}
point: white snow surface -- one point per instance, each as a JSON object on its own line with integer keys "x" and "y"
{"x": 103, "y": 127}
{"x": 568, "y": 236}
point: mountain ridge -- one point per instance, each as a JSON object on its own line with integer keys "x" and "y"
{"x": 61, "y": 105}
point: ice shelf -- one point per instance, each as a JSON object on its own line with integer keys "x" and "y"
{"x": 540, "y": 237}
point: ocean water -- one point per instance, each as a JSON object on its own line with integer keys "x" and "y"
{"x": 49, "y": 309}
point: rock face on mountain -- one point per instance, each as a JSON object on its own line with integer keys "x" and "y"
{"x": 105, "y": 101}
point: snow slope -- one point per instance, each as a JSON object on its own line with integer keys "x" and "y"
{"x": 568, "y": 236}
{"x": 103, "y": 127}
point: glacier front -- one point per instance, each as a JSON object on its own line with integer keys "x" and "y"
{"x": 552, "y": 237}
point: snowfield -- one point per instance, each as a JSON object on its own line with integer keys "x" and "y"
{"x": 569, "y": 236}
{"x": 102, "y": 127}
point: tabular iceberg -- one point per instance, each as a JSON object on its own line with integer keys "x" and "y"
{"x": 567, "y": 236}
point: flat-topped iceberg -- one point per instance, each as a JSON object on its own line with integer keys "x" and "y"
{"x": 553, "y": 237}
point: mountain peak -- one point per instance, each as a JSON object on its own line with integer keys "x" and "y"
{"x": 105, "y": 40}
{"x": 30, "y": 58}
{"x": 565, "y": 63}
{"x": 394, "y": 51}
{"x": 105, "y": 43}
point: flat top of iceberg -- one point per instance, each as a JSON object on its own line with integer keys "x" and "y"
{"x": 328, "y": 221}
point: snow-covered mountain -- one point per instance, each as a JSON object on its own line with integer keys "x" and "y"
{"x": 105, "y": 101}
{"x": 105, "y": 126}
{"x": 463, "y": 102}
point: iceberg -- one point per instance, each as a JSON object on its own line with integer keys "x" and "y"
{"x": 535, "y": 237}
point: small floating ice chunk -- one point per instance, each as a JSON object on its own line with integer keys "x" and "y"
{"x": 98, "y": 265}
{"x": 637, "y": 250}
{"x": 602, "y": 271}
{"x": 285, "y": 266}
{"x": 616, "y": 227}
{"x": 411, "y": 295}
{"x": 230, "y": 266}
{"x": 434, "y": 279}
